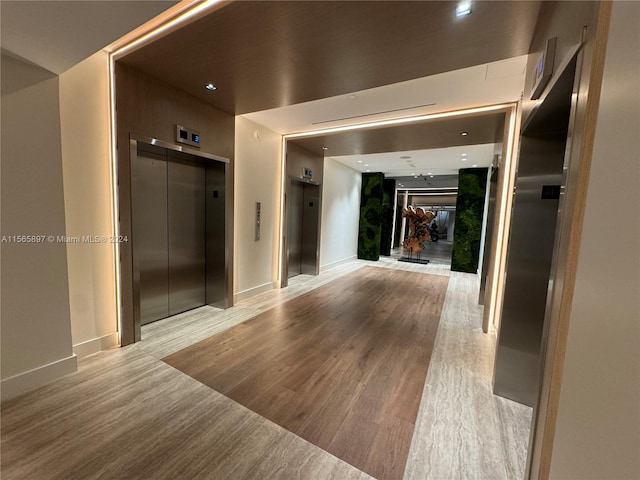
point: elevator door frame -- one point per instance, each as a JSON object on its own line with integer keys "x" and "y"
{"x": 295, "y": 226}
{"x": 285, "y": 238}
{"x": 130, "y": 301}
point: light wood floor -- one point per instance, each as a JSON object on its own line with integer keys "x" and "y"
{"x": 127, "y": 415}
{"x": 342, "y": 366}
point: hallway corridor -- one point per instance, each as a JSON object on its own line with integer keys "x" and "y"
{"x": 126, "y": 414}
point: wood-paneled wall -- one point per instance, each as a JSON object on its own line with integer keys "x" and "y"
{"x": 299, "y": 157}
{"x": 149, "y": 107}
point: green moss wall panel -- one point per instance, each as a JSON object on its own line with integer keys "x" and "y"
{"x": 472, "y": 184}
{"x": 388, "y": 197}
{"x": 370, "y": 216}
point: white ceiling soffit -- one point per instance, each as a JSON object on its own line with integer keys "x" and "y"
{"x": 489, "y": 84}
{"x": 436, "y": 161}
{"x": 58, "y": 34}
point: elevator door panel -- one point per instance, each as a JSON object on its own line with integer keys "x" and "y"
{"x": 294, "y": 229}
{"x": 150, "y": 235}
{"x": 309, "y": 240}
{"x": 531, "y": 248}
{"x": 216, "y": 213}
{"x": 186, "y": 221}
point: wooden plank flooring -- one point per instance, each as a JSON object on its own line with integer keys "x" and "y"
{"x": 342, "y": 366}
{"x": 126, "y": 415}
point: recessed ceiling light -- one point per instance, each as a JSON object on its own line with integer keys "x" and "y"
{"x": 366, "y": 164}
{"x": 359, "y": 161}
{"x": 463, "y": 8}
{"x": 429, "y": 173}
{"x": 463, "y": 154}
{"x": 351, "y": 97}
{"x": 474, "y": 166}
{"x": 210, "y": 86}
{"x": 404, "y": 157}
{"x": 413, "y": 174}
{"x": 463, "y": 159}
{"x": 464, "y": 134}
{"x": 325, "y": 148}
{"x": 430, "y": 176}
{"x": 368, "y": 170}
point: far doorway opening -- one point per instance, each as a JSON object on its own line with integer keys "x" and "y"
{"x": 442, "y": 202}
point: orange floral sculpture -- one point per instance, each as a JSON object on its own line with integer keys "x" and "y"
{"x": 419, "y": 220}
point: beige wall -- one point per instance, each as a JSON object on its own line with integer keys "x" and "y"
{"x": 84, "y": 114}
{"x": 257, "y": 179}
{"x": 36, "y": 334}
{"x": 340, "y": 214}
{"x": 598, "y": 423}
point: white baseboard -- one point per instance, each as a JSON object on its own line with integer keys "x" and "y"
{"x": 32, "y": 379}
{"x": 253, "y": 291}
{"x": 329, "y": 266}
{"x": 96, "y": 345}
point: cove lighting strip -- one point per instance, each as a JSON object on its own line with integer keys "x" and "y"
{"x": 283, "y": 176}
{"x": 115, "y": 207}
{"x": 504, "y": 222}
{"x": 397, "y": 121}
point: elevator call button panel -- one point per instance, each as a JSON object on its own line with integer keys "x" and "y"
{"x": 188, "y": 136}
{"x": 550, "y": 192}
{"x": 257, "y": 236}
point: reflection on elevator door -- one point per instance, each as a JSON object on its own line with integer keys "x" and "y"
{"x": 186, "y": 228}
{"x": 150, "y": 235}
{"x": 178, "y": 232}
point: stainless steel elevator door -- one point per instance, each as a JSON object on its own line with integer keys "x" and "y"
{"x": 186, "y": 232}
{"x": 532, "y": 241}
{"x": 216, "y": 256}
{"x": 294, "y": 227}
{"x": 302, "y": 228}
{"x": 529, "y": 261}
{"x": 309, "y": 240}
{"x": 149, "y": 209}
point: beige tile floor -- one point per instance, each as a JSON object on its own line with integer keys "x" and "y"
{"x": 127, "y": 415}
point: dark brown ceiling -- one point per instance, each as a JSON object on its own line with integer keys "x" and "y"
{"x": 268, "y": 54}
{"x": 439, "y": 133}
